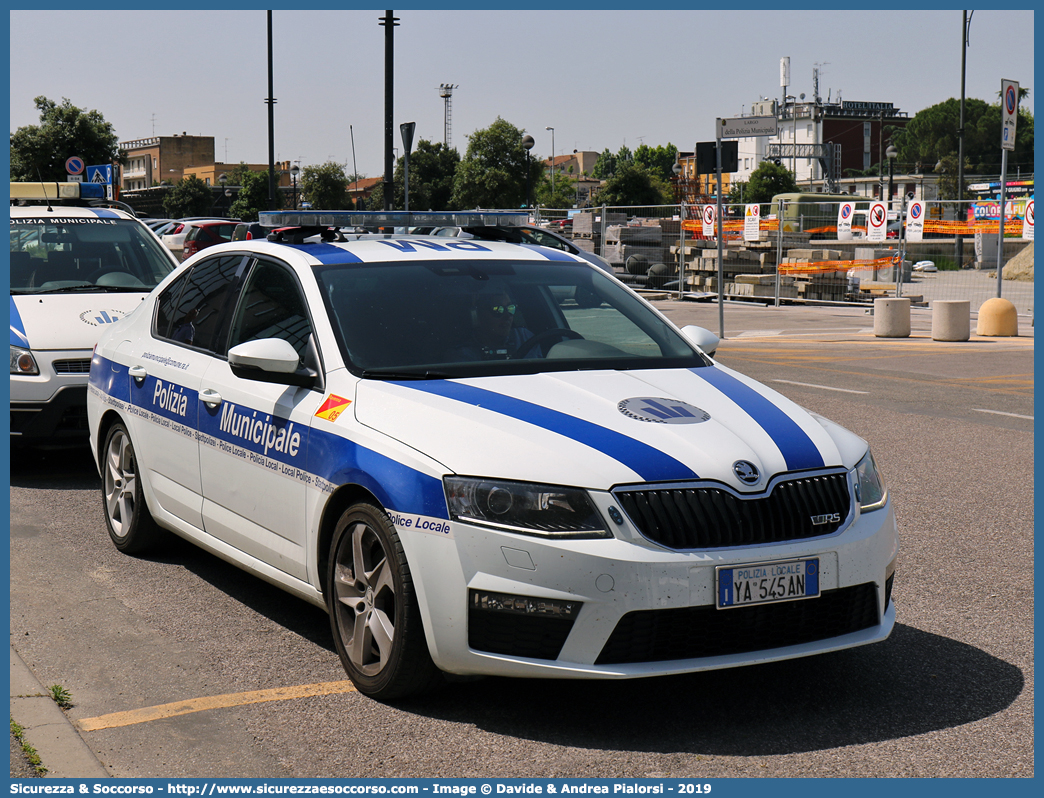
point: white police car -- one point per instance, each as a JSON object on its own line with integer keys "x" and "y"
{"x": 483, "y": 458}
{"x": 74, "y": 270}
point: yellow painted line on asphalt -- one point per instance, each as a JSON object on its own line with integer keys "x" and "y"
{"x": 147, "y": 714}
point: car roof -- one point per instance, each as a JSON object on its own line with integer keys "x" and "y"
{"x": 401, "y": 248}
{"x": 72, "y": 211}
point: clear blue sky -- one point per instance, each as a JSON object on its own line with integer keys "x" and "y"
{"x": 601, "y": 78}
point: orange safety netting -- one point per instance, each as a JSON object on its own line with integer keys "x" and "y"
{"x": 823, "y": 266}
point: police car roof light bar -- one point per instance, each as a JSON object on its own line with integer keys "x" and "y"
{"x": 392, "y": 219}
{"x": 54, "y": 191}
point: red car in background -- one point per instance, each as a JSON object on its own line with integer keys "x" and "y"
{"x": 206, "y": 234}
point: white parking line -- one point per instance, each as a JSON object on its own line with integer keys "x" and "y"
{"x": 1001, "y": 413}
{"x": 758, "y": 333}
{"x": 823, "y": 387}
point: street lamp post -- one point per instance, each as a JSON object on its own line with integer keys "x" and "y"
{"x": 222, "y": 179}
{"x": 527, "y": 143}
{"x": 552, "y": 159}
{"x": 295, "y": 170}
{"x": 890, "y": 153}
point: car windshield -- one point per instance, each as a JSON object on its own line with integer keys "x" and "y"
{"x": 467, "y": 318}
{"x": 65, "y": 255}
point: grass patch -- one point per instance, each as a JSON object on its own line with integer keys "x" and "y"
{"x": 61, "y": 696}
{"x": 28, "y": 750}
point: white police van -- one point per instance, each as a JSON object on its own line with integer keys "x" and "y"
{"x": 74, "y": 270}
{"x": 483, "y": 458}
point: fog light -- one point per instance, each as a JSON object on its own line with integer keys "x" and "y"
{"x": 523, "y": 605}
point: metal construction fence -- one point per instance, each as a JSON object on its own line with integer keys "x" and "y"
{"x": 798, "y": 252}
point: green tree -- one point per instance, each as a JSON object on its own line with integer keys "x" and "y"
{"x": 325, "y": 186}
{"x": 632, "y": 184}
{"x": 768, "y": 180}
{"x": 932, "y": 134}
{"x": 658, "y": 160}
{"x": 252, "y": 197}
{"x": 563, "y": 196}
{"x": 189, "y": 197}
{"x": 492, "y": 173}
{"x": 432, "y": 169}
{"x": 39, "y": 152}
{"x": 605, "y": 166}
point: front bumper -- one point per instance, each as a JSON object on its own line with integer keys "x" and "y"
{"x": 52, "y": 405}
{"x": 644, "y": 610}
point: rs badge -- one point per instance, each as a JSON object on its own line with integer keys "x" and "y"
{"x": 332, "y": 407}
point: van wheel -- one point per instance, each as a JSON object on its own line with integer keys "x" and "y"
{"x": 373, "y": 608}
{"x": 127, "y": 516}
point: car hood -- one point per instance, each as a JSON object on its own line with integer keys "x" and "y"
{"x": 67, "y": 321}
{"x": 598, "y": 429}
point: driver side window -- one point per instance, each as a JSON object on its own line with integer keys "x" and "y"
{"x": 272, "y": 306}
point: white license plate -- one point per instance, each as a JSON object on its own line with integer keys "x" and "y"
{"x": 767, "y": 582}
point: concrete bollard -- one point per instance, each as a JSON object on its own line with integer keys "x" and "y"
{"x": 892, "y": 317}
{"x": 997, "y": 317}
{"x": 951, "y": 320}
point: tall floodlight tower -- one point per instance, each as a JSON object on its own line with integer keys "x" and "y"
{"x": 446, "y": 93}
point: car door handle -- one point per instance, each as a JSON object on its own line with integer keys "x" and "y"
{"x": 210, "y": 397}
{"x": 138, "y": 372}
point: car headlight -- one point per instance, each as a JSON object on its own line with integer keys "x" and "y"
{"x": 22, "y": 361}
{"x": 870, "y": 489}
{"x": 545, "y": 510}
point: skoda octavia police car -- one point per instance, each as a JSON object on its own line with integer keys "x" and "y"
{"x": 483, "y": 458}
{"x": 74, "y": 269}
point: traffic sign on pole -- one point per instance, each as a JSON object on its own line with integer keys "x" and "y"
{"x": 1009, "y": 113}
{"x": 74, "y": 165}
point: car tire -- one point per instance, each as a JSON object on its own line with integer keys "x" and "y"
{"x": 131, "y": 526}
{"x": 374, "y": 614}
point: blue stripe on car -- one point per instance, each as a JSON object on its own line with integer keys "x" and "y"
{"x": 652, "y": 464}
{"x": 327, "y": 253}
{"x": 18, "y": 337}
{"x": 551, "y": 254}
{"x": 104, "y": 213}
{"x": 798, "y": 449}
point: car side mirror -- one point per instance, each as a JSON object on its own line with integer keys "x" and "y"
{"x": 269, "y": 360}
{"x": 703, "y": 338}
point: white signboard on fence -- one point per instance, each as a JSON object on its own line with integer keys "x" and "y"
{"x": 1027, "y": 221}
{"x": 708, "y": 212}
{"x": 752, "y": 223}
{"x": 844, "y": 221}
{"x": 915, "y": 221}
{"x": 877, "y": 222}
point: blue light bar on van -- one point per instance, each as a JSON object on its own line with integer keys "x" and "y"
{"x": 391, "y": 219}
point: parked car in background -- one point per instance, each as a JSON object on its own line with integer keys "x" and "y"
{"x": 249, "y": 231}
{"x": 174, "y": 237}
{"x": 206, "y": 234}
{"x": 156, "y": 224}
{"x": 76, "y": 268}
{"x": 527, "y": 234}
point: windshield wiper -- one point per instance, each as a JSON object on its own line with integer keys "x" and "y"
{"x": 384, "y": 374}
{"x": 71, "y": 289}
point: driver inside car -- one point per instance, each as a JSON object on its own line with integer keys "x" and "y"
{"x": 494, "y": 335}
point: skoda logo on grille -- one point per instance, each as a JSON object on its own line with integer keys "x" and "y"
{"x": 661, "y": 411}
{"x": 746, "y": 471}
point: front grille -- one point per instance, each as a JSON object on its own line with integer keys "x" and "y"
{"x": 708, "y": 517}
{"x": 517, "y": 635}
{"x": 72, "y": 366}
{"x": 694, "y": 632}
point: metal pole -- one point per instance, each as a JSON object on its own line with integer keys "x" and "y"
{"x": 389, "y": 22}
{"x": 959, "y": 240}
{"x": 1000, "y": 236}
{"x": 355, "y": 169}
{"x": 779, "y": 245}
{"x": 721, "y": 254}
{"x": 681, "y": 249}
{"x": 271, "y": 124}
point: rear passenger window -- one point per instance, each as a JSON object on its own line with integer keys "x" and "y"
{"x": 199, "y": 316}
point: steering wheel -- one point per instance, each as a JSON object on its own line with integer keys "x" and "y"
{"x": 540, "y": 338}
